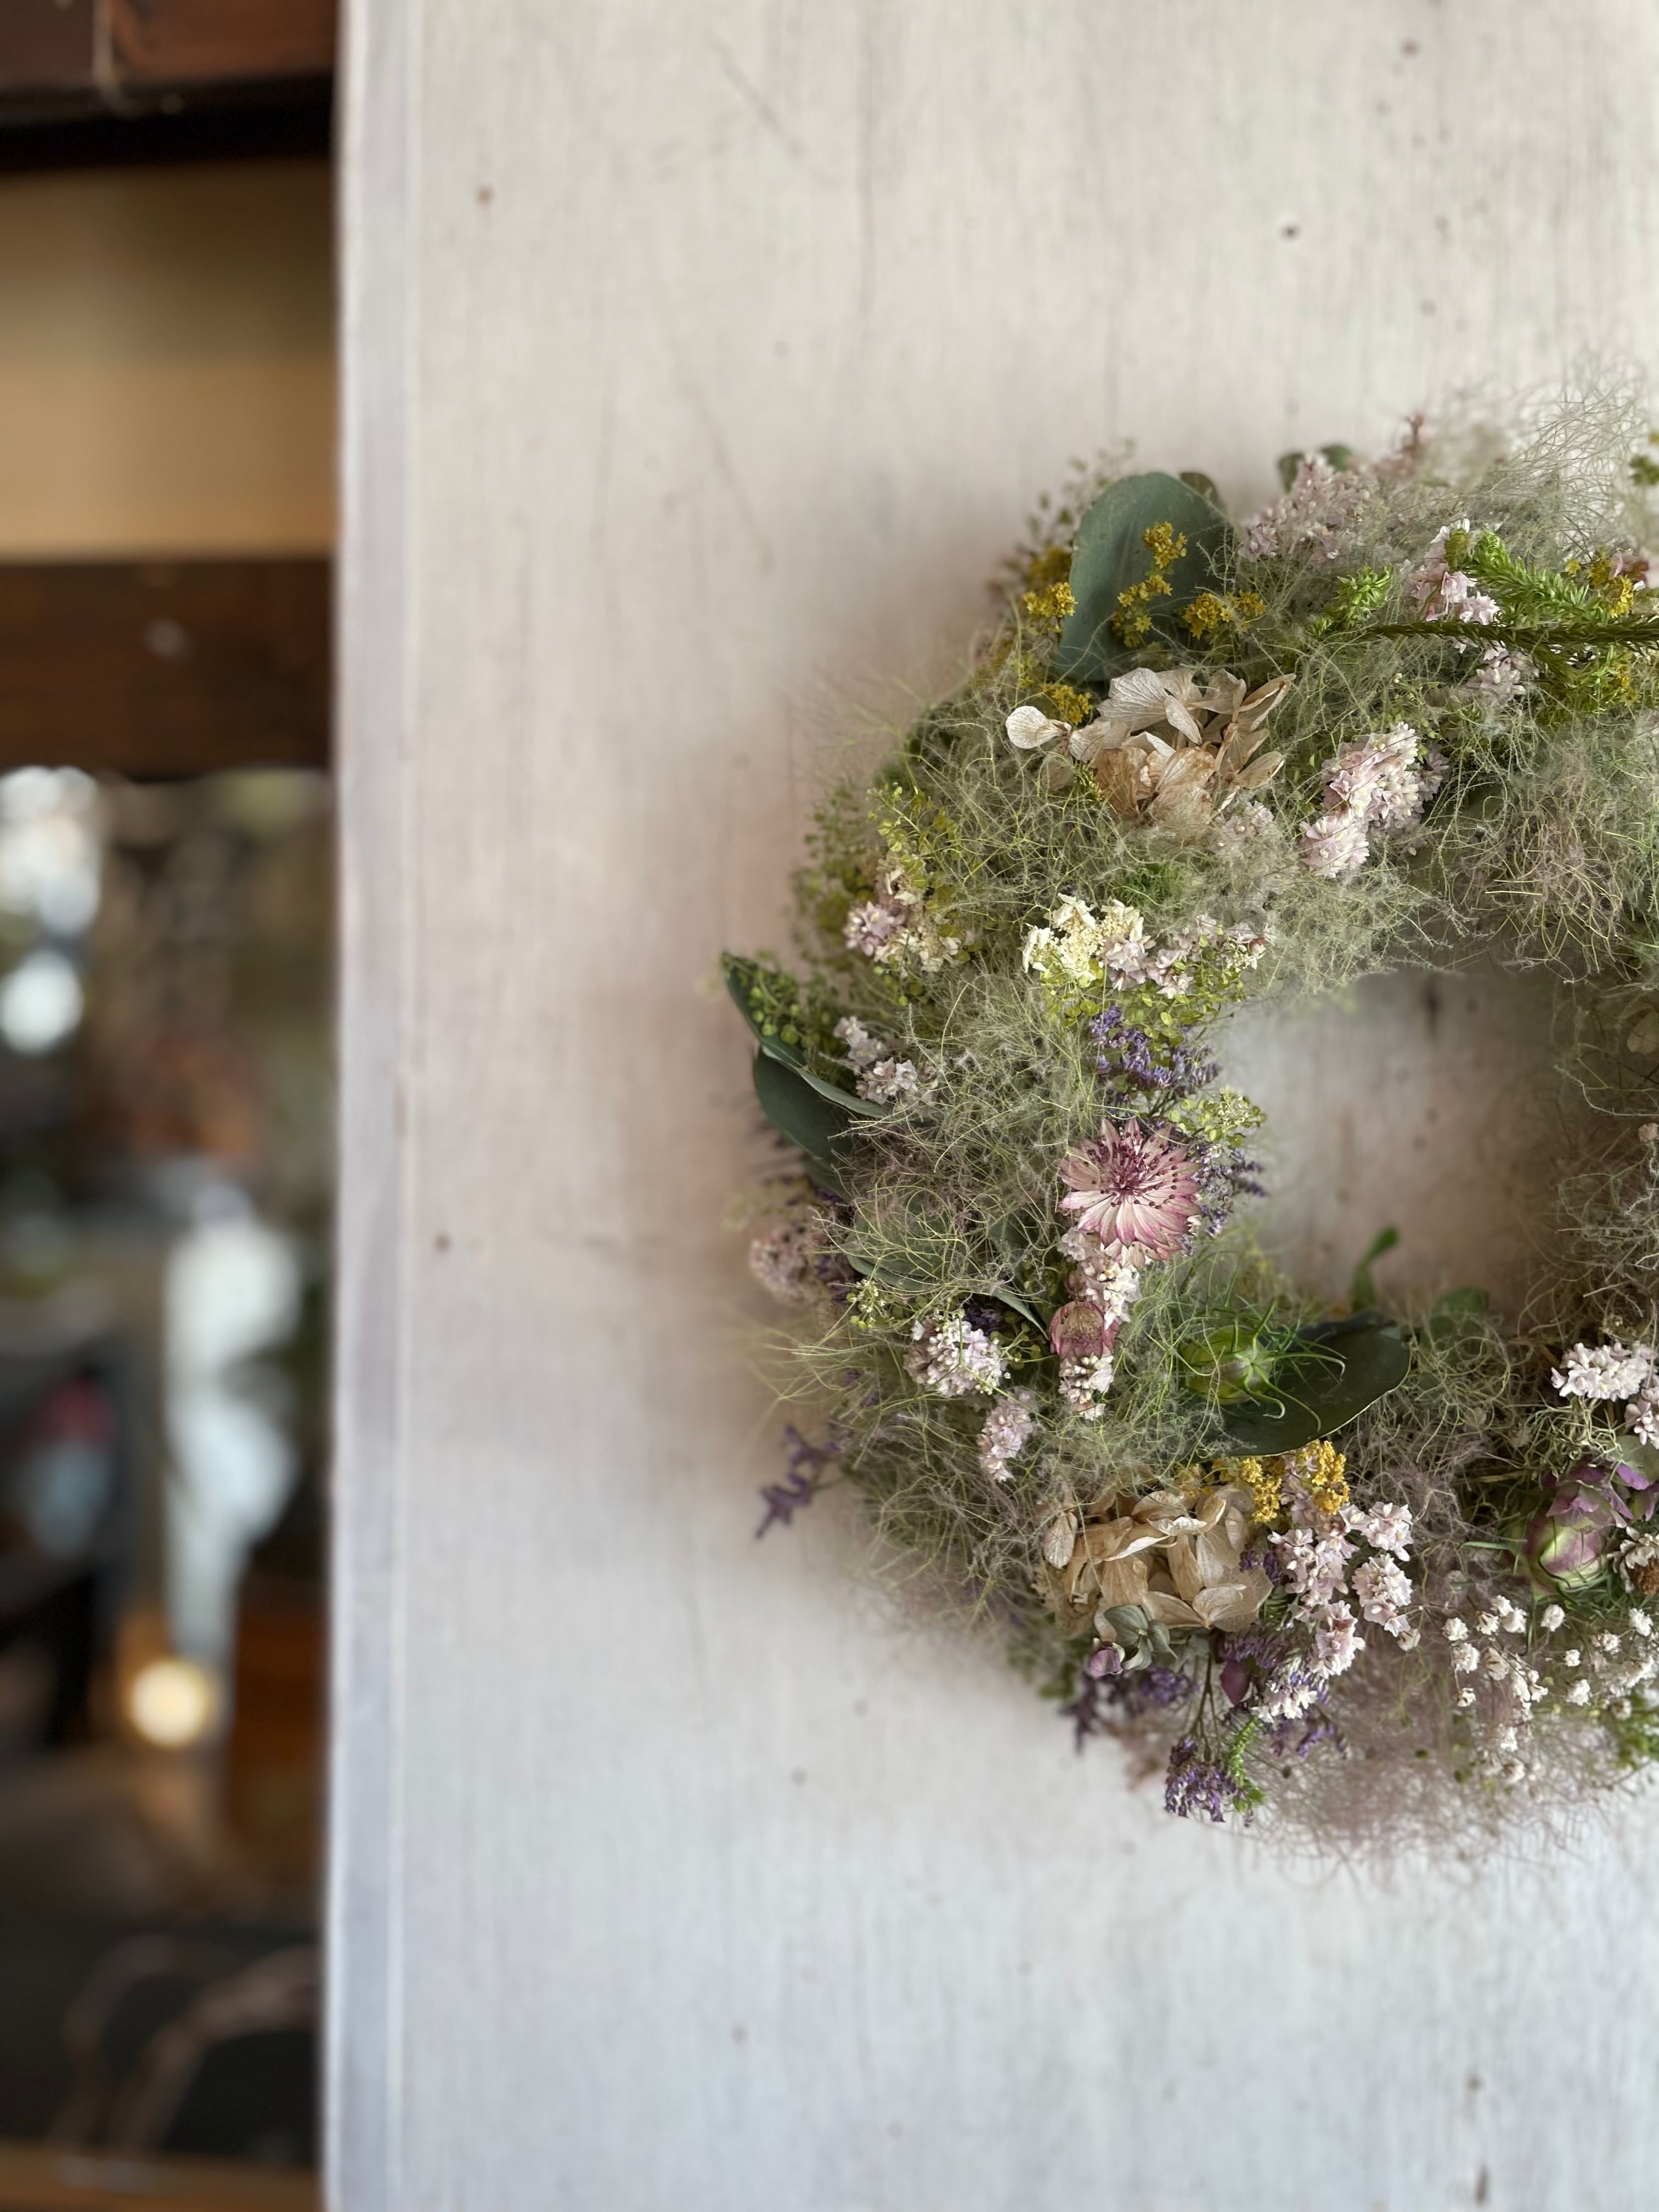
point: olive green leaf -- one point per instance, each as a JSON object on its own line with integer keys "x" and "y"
{"x": 1112, "y": 557}
{"x": 797, "y": 1111}
{"x": 738, "y": 974}
{"x": 1332, "y": 1372}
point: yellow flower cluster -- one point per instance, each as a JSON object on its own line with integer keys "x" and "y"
{"x": 1219, "y": 610}
{"x": 1133, "y": 620}
{"x": 1050, "y": 605}
{"x": 1320, "y": 1468}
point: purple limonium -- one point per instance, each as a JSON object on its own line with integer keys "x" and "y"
{"x": 1113, "y": 1695}
{"x": 802, "y": 1482}
{"x": 1195, "y": 1785}
{"x": 1131, "y": 1062}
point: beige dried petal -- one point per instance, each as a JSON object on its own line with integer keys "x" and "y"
{"x": 1056, "y": 773}
{"x": 1121, "y": 1539}
{"x": 1254, "y": 710}
{"x": 1223, "y": 693}
{"x": 1172, "y": 1612}
{"x": 1187, "y": 770}
{"x": 1259, "y": 773}
{"x": 1185, "y": 1572}
{"x": 1118, "y": 775}
{"x": 1060, "y": 1542}
{"x": 1121, "y": 1581}
{"x": 1239, "y": 745}
{"x": 1217, "y": 1557}
{"x": 1100, "y": 736}
{"x": 1234, "y": 1605}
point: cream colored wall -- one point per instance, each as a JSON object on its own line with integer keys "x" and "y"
{"x": 702, "y": 360}
{"x": 167, "y": 376}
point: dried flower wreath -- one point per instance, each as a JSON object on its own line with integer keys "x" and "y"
{"x": 1382, "y": 1573}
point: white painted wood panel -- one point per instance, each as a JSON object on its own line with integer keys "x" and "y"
{"x": 701, "y": 362}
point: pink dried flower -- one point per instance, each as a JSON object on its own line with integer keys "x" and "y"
{"x": 1134, "y": 1189}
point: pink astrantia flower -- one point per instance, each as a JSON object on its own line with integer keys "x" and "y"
{"x": 1136, "y": 1191}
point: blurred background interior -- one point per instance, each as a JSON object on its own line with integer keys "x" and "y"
{"x": 166, "y": 960}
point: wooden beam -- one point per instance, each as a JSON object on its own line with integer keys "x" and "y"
{"x": 132, "y": 58}
{"x": 50, "y": 2177}
{"x": 164, "y": 668}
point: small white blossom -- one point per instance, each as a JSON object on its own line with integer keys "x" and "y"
{"x": 1510, "y": 1618}
{"x": 1384, "y": 1591}
{"x": 1641, "y": 1623}
{"x": 1606, "y": 1641}
{"x": 1551, "y": 1619}
{"x": 1486, "y": 1624}
{"x": 1388, "y": 1528}
{"x": 1455, "y": 1629}
{"x": 1642, "y": 1417}
{"x": 1579, "y": 1694}
{"x": 954, "y": 1358}
{"x": 1337, "y": 1643}
{"x": 1242, "y": 829}
{"x": 1496, "y": 1663}
{"x": 1335, "y": 846}
{"x": 1465, "y": 1697}
{"x": 1572, "y": 1657}
{"x": 1005, "y": 1433}
{"x": 1464, "y": 1658}
{"x": 1512, "y": 1772}
{"x": 1604, "y": 1370}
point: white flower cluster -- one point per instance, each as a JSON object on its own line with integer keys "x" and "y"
{"x": 1375, "y": 786}
{"x": 785, "y": 1259}
{"x": 879, "y": 1074}
{"x": 1006, "y": 1432}
{"x": 1447, "y": 595}
{"x": 1602, "y": 1372}
{"x": 1314, "y": 1558}
{"x": 897, "y": 927}
{"x": 1240, "y": 832}
{"x": 1513, "y": 1688}
{"x": 954, "y": 1358}
{"x": 1322, "y": 503}
{"x": 1078, "y": 947}
{"x": 1111, "y": 1285}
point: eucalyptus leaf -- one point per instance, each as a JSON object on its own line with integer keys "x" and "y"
{"x": 1111, "y": 555}
{"x": 798, "y": 1112}
{"x": 1335, "y": 1370}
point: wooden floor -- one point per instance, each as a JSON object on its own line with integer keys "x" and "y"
{"x": 43, "y": 2178}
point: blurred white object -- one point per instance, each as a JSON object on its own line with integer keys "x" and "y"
{"x": 39, "y": 1002}
{"x": 172, "y": 1703}
{"x": 233, "y": 1290}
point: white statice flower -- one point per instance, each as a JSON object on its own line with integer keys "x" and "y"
{"x": 1641, "y": 1623}
{"x": 1642, "y": 1417}
{"x": 1486, "y": 1624}
{"x": 1447, "y": 595}
{"x": 1030, "y": 728}
{"x": 1551, "y": 1619}
{"x": 1005, "y": 1433}
{"x": 785, "y": 1260}
{"x": 1495, "y": 1663}
{"x": 1295, "y": 1547}
{"x": 1085, "y": 1383}
{"x": 1337, "y": 1640}
{"x": 1579, "y": 1694}
{"x": 1103, "y": 1280}
{"x": 954, "y": 1358}
{"x": 1572, "y": 1656}
{"x": 1606, "y": 1641}
{"x": 1465, "y": 1697}
{"x": 1502, "y": 677}
{"x": 1375, "y": 777}
{"x": 1408, "y": 1636}
{"x": 872, "y": 928}
{"x": 1511, "y": 1617}
{"x": 896, "y": 928}
{"x": 1335, "y": 846}
{"x": 1455, "y": 1630}
{"x": 1384, "y": 1591}
{"x": 1310, "y": 518}
{"x": 1389, "y": 1529}
{"x": 879, "y": 1074}
{"x": 1243, "y": 830}
{"x": 1599, "y": 1371}
{"x": 1331, "y": 1554}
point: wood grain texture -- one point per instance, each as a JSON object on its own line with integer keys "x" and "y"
{"x": 165, "y": 668}
{"x": 702, "y": 362}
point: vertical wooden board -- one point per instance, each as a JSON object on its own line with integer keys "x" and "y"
{"x": 701, "y": 363}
